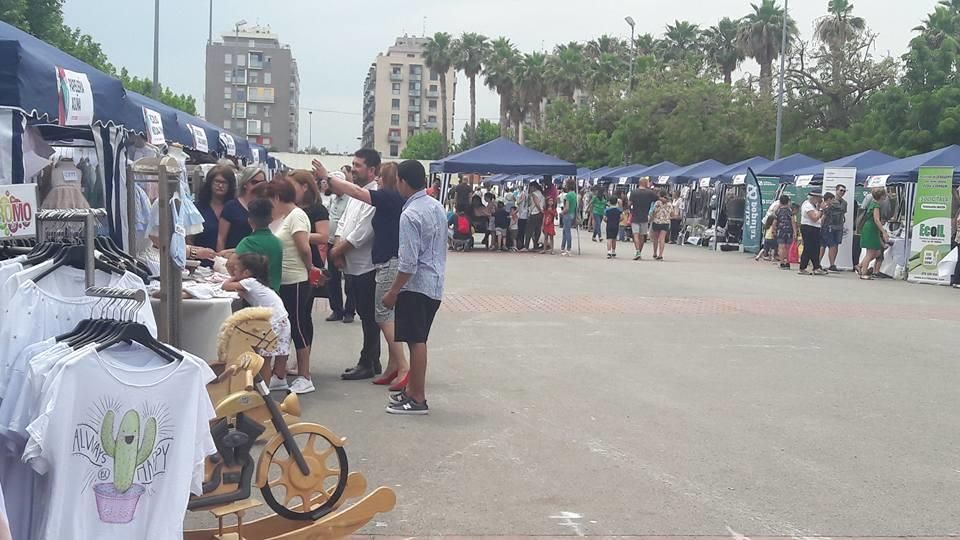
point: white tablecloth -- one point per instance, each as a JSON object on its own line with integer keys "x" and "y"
{"x": 200, "y": 322}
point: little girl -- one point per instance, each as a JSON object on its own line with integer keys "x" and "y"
{"x": 549, "y": 228}
{"x": 250, "y": 277}
{"x": 514, "y": 227}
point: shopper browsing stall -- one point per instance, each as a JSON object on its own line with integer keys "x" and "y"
{"x": 233, "y": 226}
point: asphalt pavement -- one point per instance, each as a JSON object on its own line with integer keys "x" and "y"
{"x": 706, "y": 394}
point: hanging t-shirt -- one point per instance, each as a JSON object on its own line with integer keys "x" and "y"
{"x": 123, "y": 448}
{"x": 293, "y": 269}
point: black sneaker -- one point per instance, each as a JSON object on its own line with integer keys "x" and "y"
{"x": 334, "y": 318}
{"x": 347, "y": 319}
{"x": 399, "y": 397}
{"x": 833, "y": 269}
{"x": 409, "y": 406}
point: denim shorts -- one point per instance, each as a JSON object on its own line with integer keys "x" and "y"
{"x": 830, "y": 237}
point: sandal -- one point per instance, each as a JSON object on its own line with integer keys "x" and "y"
{"x": 866, "y": 278}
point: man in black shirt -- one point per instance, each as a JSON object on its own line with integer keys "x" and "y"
{"x": 640, "y": 201}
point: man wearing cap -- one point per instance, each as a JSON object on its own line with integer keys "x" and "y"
{"x": 811, "y": 215}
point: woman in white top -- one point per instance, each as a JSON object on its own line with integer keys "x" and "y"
{"x": 250, "y": 277}
{"x": 292, "y": 227}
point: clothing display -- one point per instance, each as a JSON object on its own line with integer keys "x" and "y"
{"x": 65, "y": 187}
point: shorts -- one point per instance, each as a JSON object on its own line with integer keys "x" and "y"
{"x": 415, "y": 314}
{"x": 661, "y": 227}
{"x": 830, "y": 237}
{"x": 640, "y": 228}
{"x": 612, "y": 233}
{"x": 501, "y": 231}
{"x": 770, "y": 244}
{"x": 281, "y": 328}
{"x": 386, "y": 274}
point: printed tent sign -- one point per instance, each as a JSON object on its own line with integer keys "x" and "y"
{"x": 199, "y": 138}
{"x": 154, "y": 123}
{"x": 930, "y": 234}
{"x": 18, "y": 205}
{"x": 75, "y": 98}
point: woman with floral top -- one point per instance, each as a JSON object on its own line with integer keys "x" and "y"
{"x": 661, "y": 213}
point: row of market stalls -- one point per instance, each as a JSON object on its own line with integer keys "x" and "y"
{"x": 54, "y": 106}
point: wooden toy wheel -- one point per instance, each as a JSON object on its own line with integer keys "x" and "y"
{"x": 287, "y": 490}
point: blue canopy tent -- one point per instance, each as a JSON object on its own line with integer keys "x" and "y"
{"x": 740, "y": 167}
{"x": 905, "y": 170}
{"x": 596, "y": 174}
{"x": 503, "y": 156}
{"x": 785, "y": 166}
{"x": 655, "y": 172}
{"x": 696, "y": 171}
{"x": 621, "y": 174}
{"x": 173, "y": 131}
{"x": 861, "y": 160}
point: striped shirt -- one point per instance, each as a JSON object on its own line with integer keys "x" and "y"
{"x": 423, "y": 245}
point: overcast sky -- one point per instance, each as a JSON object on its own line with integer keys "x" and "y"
{"x": 335, "y": 41}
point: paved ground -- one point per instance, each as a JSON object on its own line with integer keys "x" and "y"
{"x": 703, "y": 395}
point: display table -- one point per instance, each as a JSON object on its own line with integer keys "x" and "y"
{"x": 200, "y": 322}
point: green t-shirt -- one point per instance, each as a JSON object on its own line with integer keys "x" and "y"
{"x": 570, "y": 205}
{"x": 263, "y": 242}
{"x": 599, "y": 204}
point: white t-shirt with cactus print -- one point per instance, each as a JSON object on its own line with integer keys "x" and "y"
{"x": 122, "y": 447}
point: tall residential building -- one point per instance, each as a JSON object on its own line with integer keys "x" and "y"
{"x": 253, "y": 88}
{"x": 401, "y": 97}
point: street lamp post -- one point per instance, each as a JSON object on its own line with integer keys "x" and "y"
{"x": 156, "y": 49}
{"x": 210, "y": 27}
{"x": 783, "y": 55}
{"x": 310, "y": 116}
{"x": 633, "y": 50}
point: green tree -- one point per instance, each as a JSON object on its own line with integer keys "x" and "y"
{"x": 531, "y": 84}
{"x": 486, "y": 132}
{"x": 427, "y": 145}
{"x": 721, "y": 48}
{"x": 499, "y": 70}
{"x": 565, "y": 69}
{"x": 682, "y": 41}
{"x": 182, "y": 102}
{"x": 439, "y": 56}
{"x": 759, "y": 38}
{"x": 471, "y": 50}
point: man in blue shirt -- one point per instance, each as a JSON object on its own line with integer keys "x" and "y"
{"x": 418, "y": 288}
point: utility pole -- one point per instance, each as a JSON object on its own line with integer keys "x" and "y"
{"x": 783, "y": 59}
{"x": 310, "y": 116}
{"x": 633, "y": 50}
{"x": 210, "y": 28}
{"x": 156, "y": 49}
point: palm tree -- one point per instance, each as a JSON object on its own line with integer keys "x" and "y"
{"x": 836, "y": 29}
{"x": 498, "y": 70}
{"x": 606, "y": 70}
{"x": 681, "y": 40}
{"x": 471, "y": 49}
{"x": 759, "y": 38}
{"x": 532, "y": 85}
{"x": 439, "y": 56}
{"x": 940, "y": 28}
{"x": 566, "y": 68}
{"x": 721, "y": 47}
{"x": 605, "y": 44}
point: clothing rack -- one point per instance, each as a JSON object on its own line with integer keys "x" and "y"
{"x": 165, "y": 171}
{"x": 116, "y": 293}
{"x": 87, "y": 216}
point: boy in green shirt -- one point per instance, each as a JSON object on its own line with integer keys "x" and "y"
{"x": 261, "y": 241}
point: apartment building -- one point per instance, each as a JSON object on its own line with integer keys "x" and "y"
{"x": 401, "y": 97}
{"x": 253, "y": 87}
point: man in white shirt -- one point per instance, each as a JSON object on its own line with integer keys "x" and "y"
{"x": 351, "y": 252}
{"x": 811, "y": 215}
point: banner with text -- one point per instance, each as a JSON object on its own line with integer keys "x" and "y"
{"x": 846, "y": 177}
{"x": 752, "y": 214}
{"x": 18, "y": 207}
{"x": 75, "y": 98}
{"x": 930, "y": 234}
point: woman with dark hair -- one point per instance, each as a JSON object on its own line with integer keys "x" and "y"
{"x": 233, "y": 226}
{"x": 292, "y": 227}
{"x": 219, "y": 187}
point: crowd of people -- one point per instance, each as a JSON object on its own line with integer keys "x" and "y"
{"x": 367, "y": 237}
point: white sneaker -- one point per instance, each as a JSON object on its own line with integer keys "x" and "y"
{"x": 278, "y": 384}
{"x": 302, "y": 385}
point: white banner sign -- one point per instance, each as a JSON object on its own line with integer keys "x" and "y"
{"x": 199, "y": 138}
{"x": 879, "y": 180}
{"x": 18, "y": 207}
{"x": 229, "y": 144}
{"x": 663, "y": 179}
{"x": 803, "y": 180}
{"x": 76, "y": 98}
{"x": 705, "y": 182}
{"x": 846, "y": 177}
{"x": 154, "y": 124}
{"x": 623, "y": 180}
{"x": 739, "y": 179}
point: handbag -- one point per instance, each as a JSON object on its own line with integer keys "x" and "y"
{"x": 793, "y": 256}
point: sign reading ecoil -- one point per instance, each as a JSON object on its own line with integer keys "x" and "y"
{"x": 18, "y": 206}
{"x": 930, "y": 234}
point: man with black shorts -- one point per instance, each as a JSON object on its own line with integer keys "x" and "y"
{"x": 640, "y": 201}
{"x": 418, "y": 288}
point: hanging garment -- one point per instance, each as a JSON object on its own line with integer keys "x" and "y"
{"x": 123, "y": 447}
{"x": 65, "y": 189}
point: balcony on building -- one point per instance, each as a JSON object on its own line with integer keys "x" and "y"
{"x": 430, "y": 125}
{"x": 394, "y": 76}
{"x": 393, "y": 137}
{"x": 413, "y": 123}
{"x": 255, "y": 60}
{"x": 413, "y": 108}
{"x": 433, "y": 93}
